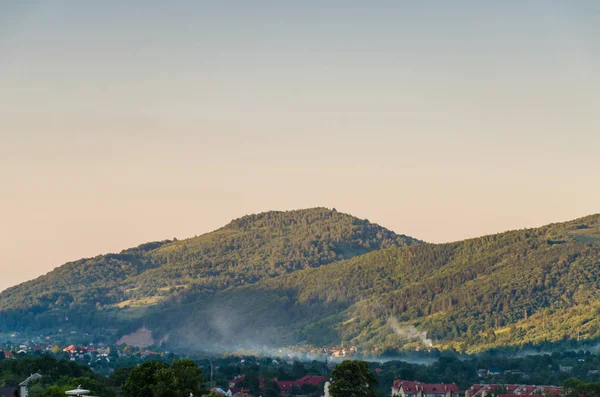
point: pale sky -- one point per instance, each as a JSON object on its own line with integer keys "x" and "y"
{"x": 127, "y": 122}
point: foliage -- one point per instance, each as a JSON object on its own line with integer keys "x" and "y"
{"x": 352, "y": 378}
{"x": 158, "y": 379}
{"x": 57, "y": 376}
{"x": 281, "y": 278}
{"x": 247, "y": 250}
{"x": 577, "y": 388}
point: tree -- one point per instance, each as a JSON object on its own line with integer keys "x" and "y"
{"x": 352, "y": 378}
{"x": 271, "y": 389}
{"x": 119, "y": 376}
{"x": 298, "y": 370}
{"x": 56, "y": 349}
{"x": 500, "y": 390}
{"x": 189, "y": 376}
{"x": 142, "y": 378}
{"x": 157, "y": 379}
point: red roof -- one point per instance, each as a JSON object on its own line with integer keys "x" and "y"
{"x": 70, "y": 348}
{"x": 286, "y": 385}
{"x": 237, "y": 379}
{"x": 522, "y": 390}
{"x": 413, "y": 387}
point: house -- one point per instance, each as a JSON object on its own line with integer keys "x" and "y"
{"x": 482, "y": 373}
{"x": 514, "y": 372}
{"x": 565, "y": 369}
{"x": 405, "y": 388}
{"x": 593, "y": 372}
{"x": 548, "y": 391}
{"x": 220, "y": 391}
{"x": 235, "y": 381}
{"x": 339, "y": 353}
{"x": 238, "y": 392}
{"x": 494, "y": 371}
{"x": 24, "y": 386}
{"x": 488, "y": 390}
{"x": 286, "y": 386}
{"x": 71, "y": 349}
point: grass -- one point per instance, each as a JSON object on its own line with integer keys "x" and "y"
{"x": 147, "y": 301}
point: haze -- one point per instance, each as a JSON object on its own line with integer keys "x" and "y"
{"x": 125, "y": 123}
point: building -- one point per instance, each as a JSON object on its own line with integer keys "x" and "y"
{"x": 488, "y": 390}
{"x": 286, "y": 386}
{"x": 405, "y": 388}
{"x": 71, "y": 349}
{"x": 238, "y": 392}
{"x": 482, "y": 373}
{"x": 24, "y": 386}
{"x": 235, "y": 381}
{"x": 565, "y": 369}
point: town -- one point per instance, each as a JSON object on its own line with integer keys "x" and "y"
{"x": 297, "y": 373}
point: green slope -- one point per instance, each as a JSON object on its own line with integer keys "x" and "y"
{"x": 116, "y": 287}
{"x": 261, "y": 281}
{"x": 526, "y": 286}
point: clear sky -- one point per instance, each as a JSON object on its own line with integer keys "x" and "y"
{"x": 125, "y": 122}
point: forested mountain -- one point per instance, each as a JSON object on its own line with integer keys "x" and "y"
{"x": 260, "y": 281}
{"x": 521, "y": 287}
{"x": 243, "y": 252}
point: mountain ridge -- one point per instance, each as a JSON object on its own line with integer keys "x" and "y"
{"x": 243, "y": 251}
{"x": 463, "y": 294}
{"x": 338, "y": 279}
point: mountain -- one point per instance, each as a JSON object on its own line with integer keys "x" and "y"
{"x": 121, "y": 286}
{"x": 317, "y": 277}
{"x": 519, "y": 288}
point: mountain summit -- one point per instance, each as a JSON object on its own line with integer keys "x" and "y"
{"x": 243, "y": 252}
{"x": 319, "y": 277}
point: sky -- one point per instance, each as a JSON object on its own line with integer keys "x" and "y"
{"x": 127, "y": 122}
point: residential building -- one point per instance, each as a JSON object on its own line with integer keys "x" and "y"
{"x": 488, "y": 390}
{"x": 405, "y": 388}
{"x": 24, "y": 386}
{"x": 235, "y": 381}
{"x": 286, "y": 386}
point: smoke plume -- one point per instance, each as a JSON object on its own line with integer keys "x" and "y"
{"x": 409, "y": 332}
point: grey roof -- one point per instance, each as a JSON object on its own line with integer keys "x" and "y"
{"x": 33, "y": 377}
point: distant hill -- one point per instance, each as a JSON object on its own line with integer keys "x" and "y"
{"x": 321, "y": 278}
{"x": 519, "y": 288}
{"x": 117, "y": 287}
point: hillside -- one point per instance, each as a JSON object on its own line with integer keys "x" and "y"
{"x": 516, "y": 288}
{"x": 120, "y": 286}
{"x": 317, "y": 277}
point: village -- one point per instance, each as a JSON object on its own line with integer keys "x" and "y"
{"x": 307, "y": 372}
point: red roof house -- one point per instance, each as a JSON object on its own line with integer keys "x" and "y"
{"x": 286, "y": 385}
{"x": 71, "y": 349}
{"x": 238, "y": 379}
{"x": 486, "y": 390}
{"x": 405, "y": 388}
